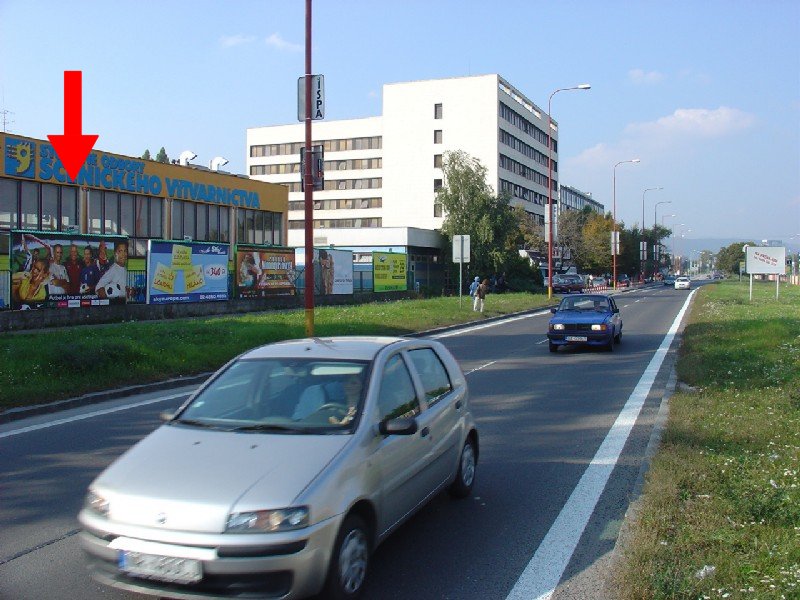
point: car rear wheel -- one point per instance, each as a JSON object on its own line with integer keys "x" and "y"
{"x": 465, "y": 476}
{"x": 349, "y": 562}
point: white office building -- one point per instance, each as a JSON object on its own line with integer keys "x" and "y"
{"x": 381, "y": 173}
{"x": 571, "y": 198}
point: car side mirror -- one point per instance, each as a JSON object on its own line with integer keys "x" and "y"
{"x": 399, "y": 426}
{"x": 553, "y": 310}
{"x": 616, "y": 310}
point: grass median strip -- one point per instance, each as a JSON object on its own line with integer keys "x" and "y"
{"x": 44, "y": 366}
{"x": 720, "y": 514}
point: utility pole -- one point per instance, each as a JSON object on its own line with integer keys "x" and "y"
{"x": 7, "y": 121}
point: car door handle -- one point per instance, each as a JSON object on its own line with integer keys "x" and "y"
{"x": 458, "y": 404}
{"x": 424, "y": 432}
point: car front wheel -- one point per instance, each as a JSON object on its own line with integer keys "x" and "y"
{"x": 349, "y": 562}
{"x": 465, "y": 475}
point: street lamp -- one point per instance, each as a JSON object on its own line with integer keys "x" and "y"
{"x": 614, "y": 240}
{"x": 662, "y": 226}
{"x": 583, "y": 86}
{"x": 655, "y": 212}
{"x": 643, "y": 243}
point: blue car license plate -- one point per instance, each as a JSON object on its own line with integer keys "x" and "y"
{"x": 576, "y": 338}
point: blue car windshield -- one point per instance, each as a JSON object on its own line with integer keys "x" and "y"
{"x": 595, "y": 303}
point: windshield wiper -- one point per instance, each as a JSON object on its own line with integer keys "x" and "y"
{"x": 194, "y": 423}
{"x": 278, "y": 428}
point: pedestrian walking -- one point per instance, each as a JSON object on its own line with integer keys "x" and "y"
{"x": 473, "y": 288}
{"x": 480, "y": 295}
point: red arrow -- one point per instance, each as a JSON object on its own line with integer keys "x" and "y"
{"x": 73, "y": 147}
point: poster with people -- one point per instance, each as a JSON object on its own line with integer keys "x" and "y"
{"x": 186, "y": 272}
{"x": 67, "y": 270}
{"x": 333, "y": 270}
{"x": 264, "y": 271}
{"x": 389, "y": 271}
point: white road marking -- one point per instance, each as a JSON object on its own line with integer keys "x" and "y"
{"x": 542, "y": 574}
{"x": 90, "y": 415}
{"x": 479, "y": 368}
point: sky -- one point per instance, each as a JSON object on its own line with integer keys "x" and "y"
{"x": 705, "y": 93}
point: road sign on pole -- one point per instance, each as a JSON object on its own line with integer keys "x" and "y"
{"x": 317, "y": 98}
{"x": 460, "y": 256}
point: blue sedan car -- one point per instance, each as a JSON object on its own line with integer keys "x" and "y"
{"x": 585, "y": 319}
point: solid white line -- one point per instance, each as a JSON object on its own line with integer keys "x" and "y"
{"x": 542, "y": 574}
{"x": 90, "y": 415}
{"x": 485, "y": 325}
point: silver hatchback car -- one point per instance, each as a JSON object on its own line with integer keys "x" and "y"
{"x": 284, "y": 471}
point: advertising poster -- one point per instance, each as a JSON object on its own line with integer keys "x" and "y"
{"x": 389, "y": 271}
{"x": 186, "y": 272}
{"x": 264, "y": 271}
{"x": 64, "y": 270}
{"x": 333, "y": 270}
{"x": 766, "y": 260}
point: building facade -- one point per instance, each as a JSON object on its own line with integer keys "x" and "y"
{"x": 571, "y": 198}
{"x": 383, "y": 172}
{"x": 132, "y": 197}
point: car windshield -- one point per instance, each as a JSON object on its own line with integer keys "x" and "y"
{"x": 598, "y": 303}
{"x": 281, "y": 395}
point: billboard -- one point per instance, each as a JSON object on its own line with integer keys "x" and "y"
{"x": 186, "y": 272}
{"x": 766, "y": 260}
{"x": 264, "y": 271}
{"x": 333, "y": 270}
{"x": 389, "y": 271}
{"x": 67, "y": 270}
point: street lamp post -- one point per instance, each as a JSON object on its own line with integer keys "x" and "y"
{"x": 662, "y": 224}
{"x": 614, "y": 240}
{"x": 643, "y": 244}
{"x": 583, "y": 86}
{"x": 655, "y": 222}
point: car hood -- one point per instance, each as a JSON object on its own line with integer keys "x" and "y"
{"x": 188, "y": 479}
{"x": 579, "y": 316}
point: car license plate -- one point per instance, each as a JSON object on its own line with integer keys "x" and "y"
{"x": 576, "y": 338}
{"x": 164, "y": 568}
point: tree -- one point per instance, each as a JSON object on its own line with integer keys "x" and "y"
{"x": 146, "y": 155}
{"x": 597, "y": 244}
{"x": 472, "y": 209}
{"x": 728, "y": 257}
{"x": 570, "y": 233}
{"x": 162, "y": 156}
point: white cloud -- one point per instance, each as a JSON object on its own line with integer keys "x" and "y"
{"x": 239, "y": 39}
{"x": 642, "y": 77}
{"x": 276, "y": 41}
{"x": 695, "y": 122}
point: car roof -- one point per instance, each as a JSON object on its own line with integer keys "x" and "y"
{"x": 333, "y": 348}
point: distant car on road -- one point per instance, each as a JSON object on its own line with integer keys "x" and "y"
{"x": 669, "y": 280}
{"x": 567, "y": 284}
{"x": 585, "y": 319}
{"x": 599, "y": 282}
{"x": 683, "y": 283}
{"x": 623, "y": 281}
{"x": 284, "y": 471}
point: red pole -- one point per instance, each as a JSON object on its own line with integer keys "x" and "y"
{"x": 309, "y": 189}
{"x": 549, "y": 201}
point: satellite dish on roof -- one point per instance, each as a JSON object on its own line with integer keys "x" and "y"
{"x": 217, "y": 162}
{"x": 185, "y": 157}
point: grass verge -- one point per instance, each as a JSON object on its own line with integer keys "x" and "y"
{"x": 44, "y": 366}
{"x": 720, "y": 512}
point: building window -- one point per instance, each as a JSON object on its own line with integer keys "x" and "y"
{"x": 437, "y": 111}
{"x": 29, "y": 211}
{"x": 69, "y": 207}
{"x": 437, "y": 136}
{"x": 437, "y": 209}
{"x": 437, "y": 185}
{"x": 8, "y": 203}
{"x": 49, "y": 207}
{"x": 126, "y": 209}
{"x": 437, "y": 161}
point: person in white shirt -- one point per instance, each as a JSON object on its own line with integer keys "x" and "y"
{"x": 59, "y": 279}
{"x": 113, "y": 283}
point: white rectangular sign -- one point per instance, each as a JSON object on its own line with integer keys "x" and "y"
{"x": 765, "y": 260}
{"x": 460, "y": 242}
{"x": 317, "y": 97}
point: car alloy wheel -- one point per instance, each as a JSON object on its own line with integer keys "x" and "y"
{"x": 349, "y": 561}
{"x": 465, "y": 477}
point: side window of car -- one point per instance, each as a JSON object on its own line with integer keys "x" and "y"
{"x": 432, "y": 373}
{"x": 397, "y": 397}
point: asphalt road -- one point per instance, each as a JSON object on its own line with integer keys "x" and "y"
{"x": 542, "y": 419}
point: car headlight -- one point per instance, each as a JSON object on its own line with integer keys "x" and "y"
{"x": 557, "y": 326}
{"x": 599, "y": 327}
{"x": 260, "y": 521}
{"x": 96, "y": 503}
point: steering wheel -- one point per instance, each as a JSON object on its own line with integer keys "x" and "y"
{"x": 331, "y": 407}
